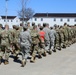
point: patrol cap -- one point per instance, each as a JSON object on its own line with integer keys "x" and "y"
{"x": 14, "y": 26}
{"x": 41, "y": 27}
{"x": 33, "y": 24}
{"x": 34, "y": 27}
{"x": 17, "y": 27}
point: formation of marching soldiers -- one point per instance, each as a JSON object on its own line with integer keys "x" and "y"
{"x": 34, "y": 40}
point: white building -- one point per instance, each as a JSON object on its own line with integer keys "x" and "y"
{"x": 54, "y": 18}
{"x": 11, "y": 20}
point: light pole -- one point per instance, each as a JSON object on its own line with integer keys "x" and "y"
{"x": 24, "y": 2}
{"x": 6, "y": 11}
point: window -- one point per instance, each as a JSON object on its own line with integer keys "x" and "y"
{"x": 41, "y": 19}
{"x": 8, "y": 20}
{"x": 61, "y": 19}
{"x": 4, "y": 20}
{"x": 16, "y": 20}
{"x": 68, "y": 20}
{"x": 74, "y": 20}
{"x": 54, "y": 19}
{"x": 11, "y": 20}
{"x": 35, "y": 19}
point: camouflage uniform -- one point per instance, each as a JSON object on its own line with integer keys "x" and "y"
{"x": 52, "y": 39}
{"x": 58, "y": 39}
{"x": 42, "y": 41}
{"x": 1, "y": 52}
{"x": 66, "y": 35}
{"x": 47, "y": 39}
{"x": 16, "y": 46}
{"x": 25, "y": 43}
{"x": 5, "y": 44}
{"x": 35, "y": 44}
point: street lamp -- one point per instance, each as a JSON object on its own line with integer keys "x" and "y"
{"x": 24, "y": 2}
{"x": 6, "y": 10}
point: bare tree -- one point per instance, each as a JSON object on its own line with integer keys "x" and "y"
{"x": 25, "y": 12}
{"x": 29, "y": 13}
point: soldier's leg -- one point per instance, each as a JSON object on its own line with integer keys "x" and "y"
{"x": 17, "y": 51}
{"x": 53, "y": 45}
{"x": 25, "y": 55}
{"x": 57, "y": 41}
{"x": 6, "y": 56}
{"x": 33, "y": 53}
{"x": 1, "y": 55}
{"x": 43, "y": 49}
{"x": 23, "y": 62}
{"x": 47, "y": 47}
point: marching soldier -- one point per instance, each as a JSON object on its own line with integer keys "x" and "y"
{"x": 35, "y": 44}
{"x": 5, "y": 43}
{"x": 25, "y": 43}
{"x": 47, "y": 37}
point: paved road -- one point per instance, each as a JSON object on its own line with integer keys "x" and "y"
{"x": 59, "y": 63}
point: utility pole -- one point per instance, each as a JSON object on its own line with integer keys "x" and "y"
{"x": 6, "y": 11}
{"x": 23, "y": 9}
{"x": 24, "y": 2}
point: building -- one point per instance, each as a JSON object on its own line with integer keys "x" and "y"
{"x": 54, "y": 18}
{"x": 11, "y": 20}
{"x": 25, "y": 20}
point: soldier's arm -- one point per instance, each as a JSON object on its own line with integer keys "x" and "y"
{"x": 30, "y": 39}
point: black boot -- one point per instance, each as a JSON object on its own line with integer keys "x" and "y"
{"x": 23, "y": 63}
{"x": 54, "y": 50}
{"x": 50, "y": 52}
{"x": 6, "y": 62}
{"x": 15, "y": 58}
{"x": 44, "y": 54}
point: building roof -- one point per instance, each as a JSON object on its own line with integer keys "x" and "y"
{"x": 55, "y": 15}
{"x": 8, "y": 17}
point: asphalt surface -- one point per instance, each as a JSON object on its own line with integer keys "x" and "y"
{"x": 60, "y": 63}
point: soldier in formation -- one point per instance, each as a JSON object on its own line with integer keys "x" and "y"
{"x": 34, "y": 41}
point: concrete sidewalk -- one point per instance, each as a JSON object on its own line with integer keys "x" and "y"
{"x": 60, "y": 63}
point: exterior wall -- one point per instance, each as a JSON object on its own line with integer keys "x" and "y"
{"x": 10, "y": 22}
{"x": 51, "y": 21}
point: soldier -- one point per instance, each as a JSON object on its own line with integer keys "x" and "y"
{"x": 62, "y": 37}
{"x": 38, "y": 27}
{"x": 1, "y": 52}
{"x": 16, "y": 46}
{"x": 21, "y": 27}
{"x": 42, "y": 41}
{"x": 25, "y": 43}
{"x": 47, "y": 37}
{"x": 35, "y": 44}
{"x": 29, "y": 27}
{"x": 58, "y": 38}
{"x": 5, "y": 43}
{"x": 65, "y": 34}
{"x": 52, "y": 39}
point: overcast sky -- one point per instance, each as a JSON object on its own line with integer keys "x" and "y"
{"x": 40, "y": 6}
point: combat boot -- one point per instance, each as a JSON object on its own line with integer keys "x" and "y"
{"x": 59, "y": 48}
{"x": 23, "y": 63}
{"x": 49, "y": 52}
{"x": 32, "y": 59}
{"x": 6, "y": 62}
{"x": 39, "y": 56}
{"x": 64, "y": 46}
{"x": 54, "y": 50}
{"x": 44, "y": 54}
{"x": 15, "y": 58}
